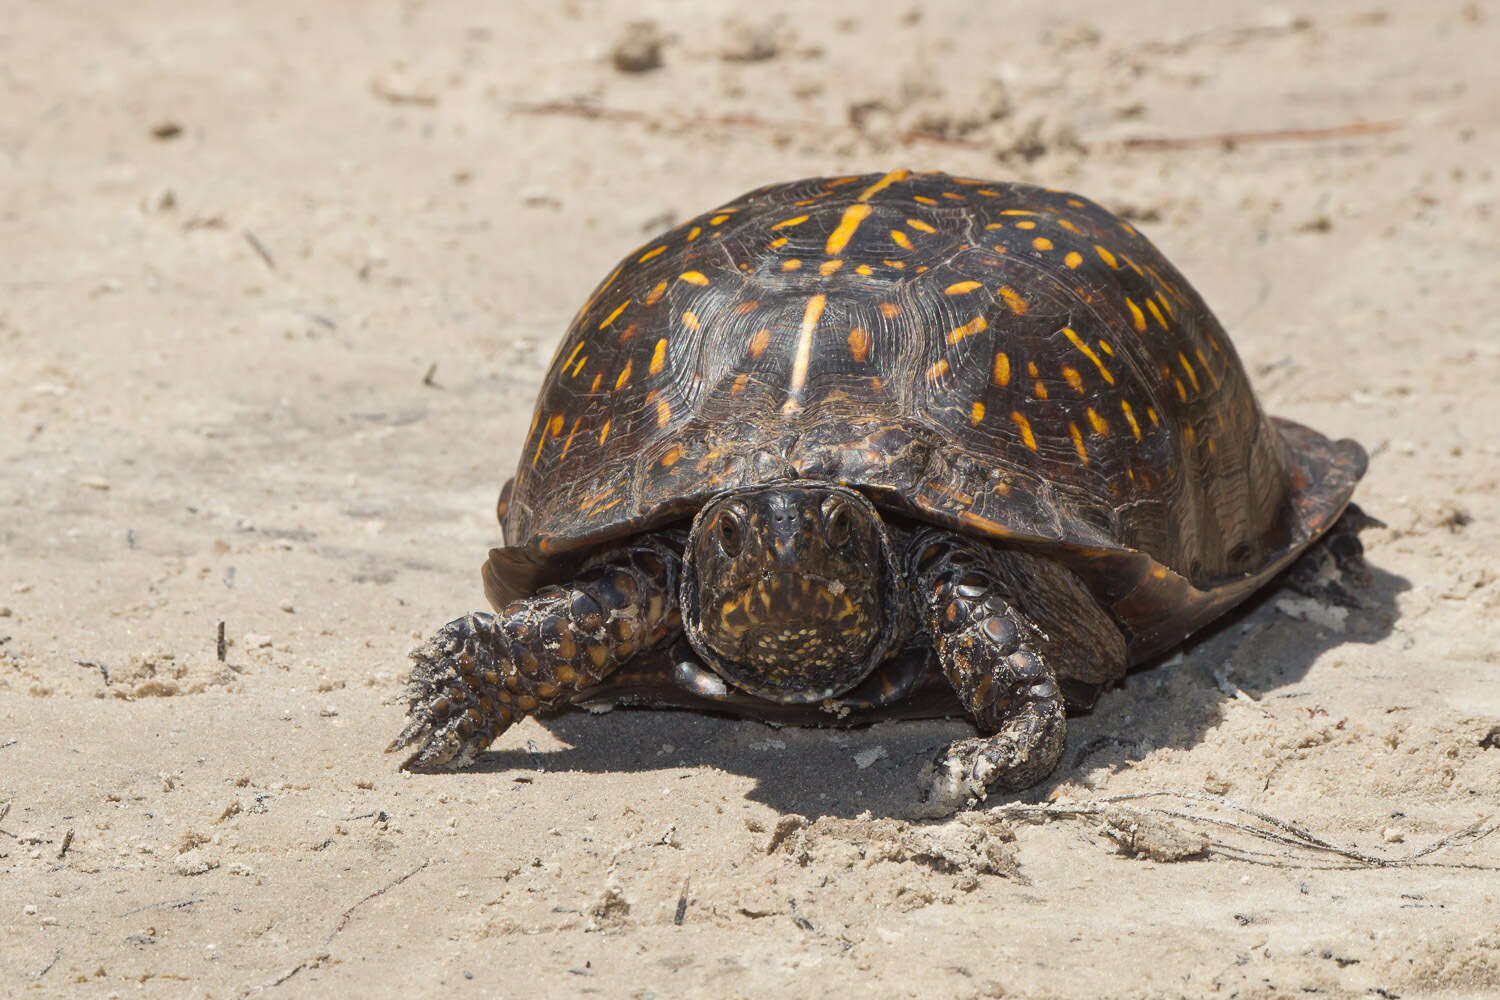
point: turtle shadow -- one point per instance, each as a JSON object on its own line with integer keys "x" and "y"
{"x": 1260, "y": 651}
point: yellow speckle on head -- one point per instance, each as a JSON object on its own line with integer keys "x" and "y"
{"x": 859, "y": 344}
{"x": 829, "y": 266}
{"x": 758, "y": 342}
{"x": 976, "y": 413}
{"x": 921, "y": 226}
{"x": 1088, "y": 352}
{"x": 650, "y": 254}
{"x": 690, "y": 319}
{"x": 694, "y": 233}
{"x": 1192, "y": 377}
{"x": 1073, "y": 378}
{"x": 1135, "y": 428}
{"x": 961, "y": 288}
{"x": 787, "y": 223}
{"x": 1073, "y": 259}
{"x": 659, "y": 356}
{"x": 614, "y": 315}
{"x": 1013, "y": 300}
{"x": 603, "y": 433}
{"x": 1137, "y": 318}
{"x": 1077, "y": 436}
{"x": 693, "y": 278}
{"x": 976, "y": 325}
{"x": 791, "y": 265}
{"x": 654, "y": 296}
{"x": 900, "y": 239}
{"x": 1026, "y": 224}
{"x": 891, "y": 178}
{"x": 1027, "y": 438}
{"x": 1002, "y": 369}
{"x": 1106, "y": 256}
{"x": 1156, "y": 313}
{"x": 938, "y": 370}
{"x": 864, "y": 269}
{"x": 1100, "y": 425}
{"x": 890, "y": 310}
{"x": 719, "y": 220}
{"x": 1042, "y": 243}
{"x": 844, "y": 231}
{"x": 778, "y": 242}
{"x": 624, "y": 374}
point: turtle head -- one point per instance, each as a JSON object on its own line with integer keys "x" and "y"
{"x": 787, "y": 590}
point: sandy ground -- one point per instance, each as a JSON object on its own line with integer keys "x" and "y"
{"x": 234, "y": 239}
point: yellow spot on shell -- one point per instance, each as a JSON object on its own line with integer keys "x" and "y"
{"x": 1100, "y": 425}
{"x": 810, "y": 317}
{"x": 598, "y": 377}
{"x": 859, "y": 344}
{"x": 1088, "y": 352}
{"x": 890, "y": 310}
{"x": 778, "y": 243}
{"x": 1104, "y": 346}
{"x": 829, "y": 266}
{"x": 976, "y": 413}
{"x": 900, "y": 239}
{"x": 844, "y": 231}
{"x": 694, "y": 233}
{"x": 1077, "y": 436}
{"x": 718, "y": 220}
{"x": 663, "y": 412}
{"x": 579, "y": 367}
{"x": 603, "y": 433}
{"x": 1181, "y": 390}
{"x": 791, "y": 265}
{"x": 1207, "y": 368}
{"x": 1026, "y": 224}
{"x": 953, "y": 196}
{"x": 748, "y": 306}
{"x": 1155, "y": 313}
{"x": 921, "y": 226}
{"x": 1106, "y": 256}
{"x": 1039, "y": 389}
{"x": 976, "y": 325}
{"x": 568, "y": 442}
{"x": 924, "y": 199}
{"x": 1073, "y": 378}
{"x": 659, "y": 356}
{"x": 576, "y": 349}
{"x": 671, "y": 458}
{"x": 758, "y": 342}
{"x": 864, "y": 269}
{"x": 1042, "y": 243}
{"x": 1017, "y": 211}
{"x": 884, "y": 182}
{"x": 694, "y": 278}
{"x": 1137, "y": 318}
{"x": 899, "y": 265}
{"x": 1013, "y": 299}
{"x": 1192, "y": 377}
{"x": 961, "y": 287}
{"x": 1069, "y": 226}
{"x": 1135, "y": 428}
{"x": 1002, "y": 369}
{"x": 650, "y": 254}
{"x": 624, "y": 374}
{"x": 1027, "y": 438}
{"x": 938, "y": 370}
{"x": 1164, "y": 303}
{"x": 654, "y": 296}
{"x": 690, "y": 319}
{"x": 739, "y": 383}
{"x": 1073, "y": 259}
{"x": 1031, "y": 369}
{"x": 1151, "y": 413}
{"x": 614, "y": 315}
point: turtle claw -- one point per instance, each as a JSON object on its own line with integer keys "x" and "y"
{"x": 449, "y": 721}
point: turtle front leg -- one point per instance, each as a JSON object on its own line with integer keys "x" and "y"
{"x": 483, "y": 672}
{"x": 1005, "y": 625}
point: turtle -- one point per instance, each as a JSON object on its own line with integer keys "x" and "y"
{"x": 866, "y": 447}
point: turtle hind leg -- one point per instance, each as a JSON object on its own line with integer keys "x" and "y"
{"x": 1333, "y": 568}
{"x": 481, "y": 673}
{"x": 1006, "y": 626}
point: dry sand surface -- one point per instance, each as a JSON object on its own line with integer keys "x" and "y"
{"x": 280, "y": 282}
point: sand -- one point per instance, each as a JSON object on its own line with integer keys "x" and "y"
{"x": 280, "y": 283}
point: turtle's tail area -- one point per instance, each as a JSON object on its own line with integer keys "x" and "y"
{"x": 1333, "y": 569}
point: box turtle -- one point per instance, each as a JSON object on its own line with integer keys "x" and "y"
{"x": 869, "y": 447}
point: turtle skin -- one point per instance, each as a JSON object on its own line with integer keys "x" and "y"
{"x": 1012, "y": 377}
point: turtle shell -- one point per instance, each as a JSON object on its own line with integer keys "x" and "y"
{"x": 1013, "y": 362}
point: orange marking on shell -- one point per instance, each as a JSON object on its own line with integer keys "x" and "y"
{"x": 1106, "y": 256}
{"x": 810, "y": 316}
{"x": 1073, "y": 378}
{"x": 1207, "y": 369}
{"x": 628, "y": 332}
{"x": 787, "y": 223}
{"x": 603, "y": 433}
{"x": 900, "y": 239}
{"x": 1018, "y": 211}
{"x": 1013, "y": 299}
{"x": 844, "y": 231}
{"x": 1073, "y": 259}
{"x": 576, "y": 349}
{"x": 1075, "y": 203}
{"x": 1077, "y": 436}
{"x": 1031, "y": 369}
{"x": 1137, "y": 318}
{"x": 624, "y": 374}
{"x": 899, "y": 265}
{"x": 1069, "y": 226}
{"x": 859, "y": 344}
{"x": 1104, "y": 346}
{"x": 791, "y": 265}
{"x": 1192, "y": 377}
{"x": 830, "y": 266}
{"x": 1151, "y": 307}
{"x": 598, "y": 377}
{"x": 891, "y": 178}
{"x": 1128, "y": 228}
{"x": 994, "y": 225}
{"x": 579, "y": 367}
{"x": 984, "y": 524}
{"x": 938, "y": 370}
{"x": 779, "y": 242}
{"x": 976, "y": 325}
{"x": 690, "y": 320}
{"x": 693, "y": 278}
{"x": 1088, "y": 352}
{"x": 694, "y": 233}
{"x": 924, "y": 199}
{"x": 659, "y": 356}
{"x": 1165, "y": 304}
{"x": 1135, "y": 428}
{"x": 654, "y": 296}
{"x": 1100, "y": 425}
{"x": 595, "y": 513}
{"x": 921, "y": 226}
{"x": 1151, "y": 414}
{"x": 663, "y": 412}
{"x": 1042, "y": 243}
{"x": 649, "y": 254}
{"x": 1026, "y": 224}
{"x": 739, "y": 383}
{"x": 1002, "y": 369}
{"x": 890, "y": 310}
{"x": 758, "y": 342}
{"x": 961, "y": 287}
{"x": 614, "y": 315}
{"x": 1000, "y": 248}
{"x": 719, "y": 219}
{"x": 1189, "y": 435}
{"x": 976, "y": 413}
{"x": 671, "y": 458}
{"x": 568, "y": 443}
{"x": 1181, "y": 390}
{"x": 1039, "y": 389}
{"x": 748, "y": 306}
{"x": 1024, "y": 425}
{"x": 864, "y": 269}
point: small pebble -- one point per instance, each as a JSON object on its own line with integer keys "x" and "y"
{"x": 1392, "y": 835}
{"x": 287, "y": 606}
{"x": 29, "y": 909}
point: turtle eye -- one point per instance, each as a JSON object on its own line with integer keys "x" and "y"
{"x": 839, "y": 524}
{"x": 731, "y": 533}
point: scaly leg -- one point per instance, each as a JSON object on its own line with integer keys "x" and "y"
{"x": 483, "y": 672}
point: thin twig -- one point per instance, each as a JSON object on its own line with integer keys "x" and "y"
{"x": 1229, "y": 140}
{"x": 55, "y": 956}
{"x": 344, "y": 920}
{"x": 260, "y": 248}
